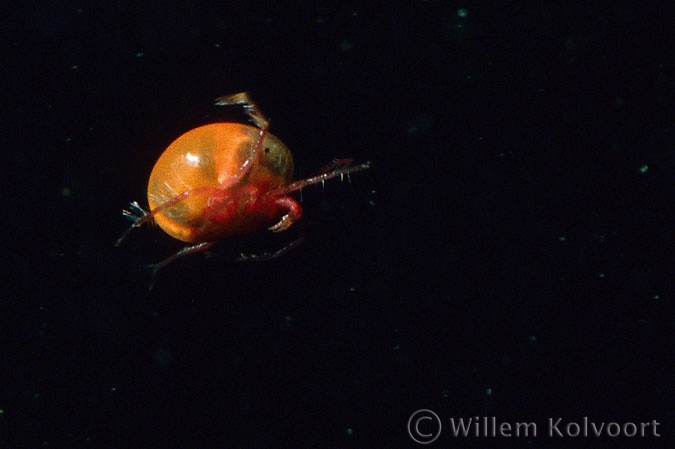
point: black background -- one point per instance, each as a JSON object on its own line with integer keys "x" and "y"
{"x": 510, "y": 253}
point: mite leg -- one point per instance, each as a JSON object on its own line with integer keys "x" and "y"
{"x": 270, "y": 255}
{"x": 301, "y": 233}
{"x": 139, "y": 216}
{"x": 337, "y": 164}
{"x": 252, "y": 110}
{"x": 192, "y": 249}
{"x": 293, "y": 213}
{"x": 340, "y": 167}
{"x": 136, "y": 214}
{"x": 258, "y": 118}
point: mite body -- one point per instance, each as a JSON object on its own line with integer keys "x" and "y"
{"x": 226, "y": 179}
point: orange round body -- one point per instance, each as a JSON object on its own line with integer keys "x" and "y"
{"x": 195, "y": 179}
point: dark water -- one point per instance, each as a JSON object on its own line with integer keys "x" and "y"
{"x": 509, "y": 255}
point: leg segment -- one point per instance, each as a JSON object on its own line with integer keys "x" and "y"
{"x": 252, "y": 110}
{"x": 258, "y": 118}
{"x": 192, "y": 249}
{"x": 293, "y": 214}
{"x": 137, "y": 215}
{"x": 270, "y": 255}
{"x": 340, "y": 167}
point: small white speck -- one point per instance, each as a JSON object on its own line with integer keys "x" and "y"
{"x": 192, "y": 158}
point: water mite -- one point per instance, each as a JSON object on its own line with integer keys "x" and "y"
{"x": 226, "y": 179}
